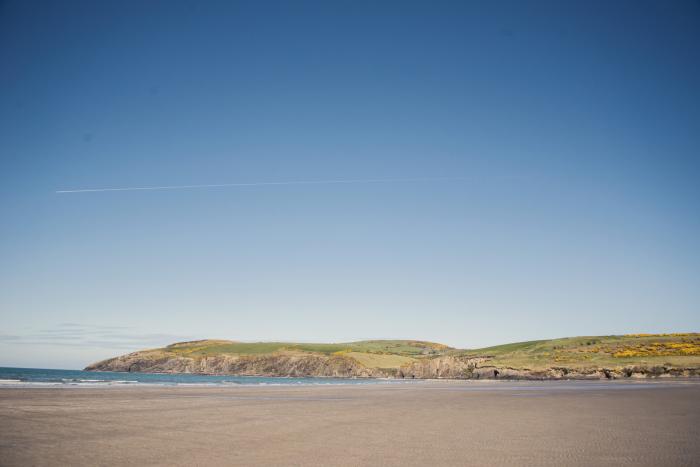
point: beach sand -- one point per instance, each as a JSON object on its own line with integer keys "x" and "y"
{"x": 423, "y": 423}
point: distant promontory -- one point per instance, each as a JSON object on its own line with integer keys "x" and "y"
{"x": 590, "y": 357}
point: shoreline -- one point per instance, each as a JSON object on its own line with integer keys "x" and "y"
{"x": 347, "y": 382}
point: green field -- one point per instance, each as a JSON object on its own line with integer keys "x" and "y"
{"x": 574, "y": 352}
{"x": 596, "y": 351}
{"x": 389, "y": 347}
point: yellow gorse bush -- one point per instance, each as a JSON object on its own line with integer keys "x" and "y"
{"x": 659, "y": 349}
{"x": 675, "y": 334}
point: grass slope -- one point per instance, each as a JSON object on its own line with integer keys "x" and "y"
{"x": 598, "y": 351}
{"x": 397, "y": 347}
{"x": 676, "y": 350}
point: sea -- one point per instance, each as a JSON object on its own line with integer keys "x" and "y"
{"x": 38, "y": 377}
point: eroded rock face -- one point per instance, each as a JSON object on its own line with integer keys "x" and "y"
{"x": 267, "y": 365}
{"x": 299, "y": 365}
{"x": 284, "y": 365}
{"x": 555, "y": 373}
{"x": 138, "y": 361}
{"x": 442, "y": 367}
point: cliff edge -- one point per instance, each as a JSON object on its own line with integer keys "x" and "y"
{"x": 591, "y": 357}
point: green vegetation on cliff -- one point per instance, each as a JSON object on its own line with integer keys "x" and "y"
{"x": 587, "y": 356}
{"x": 598, "y": 351}
{"x": 388, "y": 347}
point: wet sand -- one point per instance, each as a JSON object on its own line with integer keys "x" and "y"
{"x": 426, "y": 423}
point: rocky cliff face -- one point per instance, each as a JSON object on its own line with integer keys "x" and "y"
{"x": 300, "y": 365}
{"x": 442, "y": 367}
{"x": 266, "y": 365}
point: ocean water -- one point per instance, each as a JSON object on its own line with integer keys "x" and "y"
{"x": 37, "y": 377}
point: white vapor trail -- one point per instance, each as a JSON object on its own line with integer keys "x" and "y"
{"x": 299, "y": 182}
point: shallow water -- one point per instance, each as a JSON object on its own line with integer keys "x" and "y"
{"x": 38, "y": 377}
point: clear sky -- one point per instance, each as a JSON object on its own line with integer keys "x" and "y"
{"x": 566, "y": 136}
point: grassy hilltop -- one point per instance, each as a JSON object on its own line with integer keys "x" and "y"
{"x": 639, "y": 354}
{"x": 631, "y": 349}
{"x": 371, "y": 354}
{"x": 680, "y": 349}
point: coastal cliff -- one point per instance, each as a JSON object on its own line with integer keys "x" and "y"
{"x": 608, "y": 357}
{"x": 244, "y": 365}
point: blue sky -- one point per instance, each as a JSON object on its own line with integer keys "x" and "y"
{"x": 567, "y": 136}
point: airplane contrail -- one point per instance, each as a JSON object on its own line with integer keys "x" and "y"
{"x": 298, "y": 182}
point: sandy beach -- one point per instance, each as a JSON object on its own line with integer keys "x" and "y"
{"x": 426, "y": 423}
